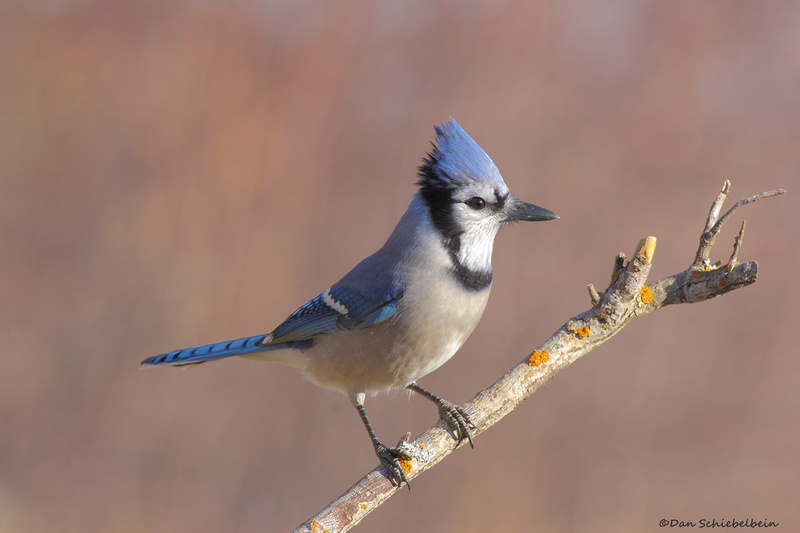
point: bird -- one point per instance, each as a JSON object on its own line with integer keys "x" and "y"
{"x": 405, "y": 310}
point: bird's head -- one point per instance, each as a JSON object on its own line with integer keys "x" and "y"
{"x": 467, "y": 198}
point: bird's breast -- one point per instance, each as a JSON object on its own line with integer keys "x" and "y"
{"x": 436, "y": 319}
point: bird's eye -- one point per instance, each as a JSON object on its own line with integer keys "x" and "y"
{"x": 477, "y": 203}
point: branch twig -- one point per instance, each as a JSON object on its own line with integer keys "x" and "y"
{"x": 714, "y": 222}
{"x": 626, "y": 298}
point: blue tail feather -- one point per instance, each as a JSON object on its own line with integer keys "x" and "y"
{"x": 209, "y": 352}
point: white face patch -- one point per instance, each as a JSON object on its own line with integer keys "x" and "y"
{"x": 333, "y": 304}
{"x": 477, "y": 244}
{"x": 478, "y": 226}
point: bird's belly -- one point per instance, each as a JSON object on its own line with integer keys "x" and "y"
{"x": 400, "y": 350}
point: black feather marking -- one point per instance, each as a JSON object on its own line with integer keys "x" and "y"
{"x": 437, "y": 189}
{"x": 471, "y": 279}
{"x": 438, "y": 196}
{"x": 501, "y": 199}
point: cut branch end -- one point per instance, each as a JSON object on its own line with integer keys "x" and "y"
{"x": 646, "y": 247}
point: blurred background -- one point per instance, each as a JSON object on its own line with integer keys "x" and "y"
{"x": 181, "y": 172}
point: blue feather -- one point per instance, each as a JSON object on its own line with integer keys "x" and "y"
{"x": 350, "y": 309}
{"x": 207, "y": 352}
{"x": 457, "y": 160}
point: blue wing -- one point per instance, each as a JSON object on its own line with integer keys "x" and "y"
{"x": 339, "y": 307}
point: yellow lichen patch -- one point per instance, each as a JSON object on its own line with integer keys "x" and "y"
{"x": 537, "y": 357}
{"x": 405, "y": 462}
{"x": 580, "y": 332}
{"x": 645, "y": 295}
{"x": 363, "y": 505}
{"x": 315, "y": 526}
{"x": 706, "y": 268}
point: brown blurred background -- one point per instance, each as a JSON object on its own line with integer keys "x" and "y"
{"x": 175, "y": 173}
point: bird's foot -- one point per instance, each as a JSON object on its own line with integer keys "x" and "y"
{"x": 458, "y": 419}
{"x": 392, "y": 460}
{"x": 455, "y": 415}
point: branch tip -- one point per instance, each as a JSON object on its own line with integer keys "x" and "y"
{"x": 619, "y": 264}
{"x": 737, "y": 244}
{"x": 646, "y": 247}
{"x": 713, "y": 213}
{"x": 769, "y": 194}
{"x": 593, "y": 295}
{"x": 643, "y": 254}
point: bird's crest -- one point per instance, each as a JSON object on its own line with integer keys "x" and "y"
{"x": 457, "y": 160}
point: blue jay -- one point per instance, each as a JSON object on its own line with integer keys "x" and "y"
{"x": 402, "y": 312}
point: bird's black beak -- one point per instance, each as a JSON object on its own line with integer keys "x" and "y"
{"x": 516, "y": 209}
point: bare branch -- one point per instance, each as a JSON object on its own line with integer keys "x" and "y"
{"x": 737, "y": 205}
{"x": 716, "y": 207}
{"x": 737, "y": 244}
{"x": 714, "y": 225}
{"x": 619, "y": 264}
{"x": 593, "y": 295}
{"x": 625, "y": 299}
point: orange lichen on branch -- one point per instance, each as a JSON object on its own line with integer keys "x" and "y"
{"x": 405, "y": 462}
{"x": 580, "y": 332}
{"x": 316, "y": 526}
{"x": 706, "y": 268}
{"x": 537, "y": 357}
{"x": 645, "y": 295}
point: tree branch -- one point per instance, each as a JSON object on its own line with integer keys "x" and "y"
{"x": 626, "y": 298}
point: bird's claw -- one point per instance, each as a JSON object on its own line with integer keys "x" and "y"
{"x": 458, "y": 419}
{"x": 390, "y": 459}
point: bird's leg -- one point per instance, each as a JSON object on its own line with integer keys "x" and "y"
{"x": 389, "y": 457}
{"x": 455, "y": 415}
